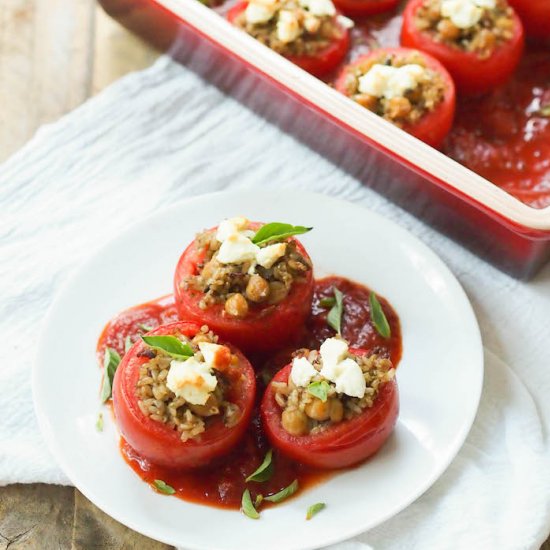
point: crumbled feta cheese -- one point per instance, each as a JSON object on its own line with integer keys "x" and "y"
{"x": 268, "y": 255}
{"x": 288, "y": 27}
{"x": 345, "y": 22}
{"x": 231, "y": 226}
{"x": 332, "y": 351}
{"x": 320, "y": 8}
{"x": 257, "y": 13}
{"x": 215, "y": 356}
{"x": 302, "y": 371}
{"x": 350, "y": 379}
{"x": 386, "y": 81}
{"x": 192, "y": 380}
{"x": 465, "y": 13}
{"x": 237, "y": 249}
{"x": 311, "y": 23}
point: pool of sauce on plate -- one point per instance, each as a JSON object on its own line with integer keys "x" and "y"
{"x": 222, "y": 484}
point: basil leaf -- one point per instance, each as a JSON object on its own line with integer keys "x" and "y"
{"x": 99, "y": 423}
{"x": 264, "y": 470}
{"x": 144, "y": 327}
{"x": 334, "y": 317}
{"x": 284, "y": 493}
{"x": 378, "y": 318}
{"x": 111, "y": 360}
{"x": 163, "y": 487}
{"x": 277, "y": 232}
{"x": 319, "y": 389}
{"x": 170, "y": 345}
{"x": 247, "y": 507}
{"x": 128, "y": 344}
{"x": 315, "y": 509}
{"x": 544, "y": 110}
{"x": 327, "y": 302}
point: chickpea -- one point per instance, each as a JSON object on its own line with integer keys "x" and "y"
{"x": 366, "y": 100}
{"x": 318, "y": 410}
{"x": 399, "y": 107}
{"x": 277, "y": 292}
{"x": 257, "y": 289}
{"x": 336, "y": 410}
{"x": 448, "y": 30}
{"x": 294, "y": 422}
{"x": 236, "y": 306}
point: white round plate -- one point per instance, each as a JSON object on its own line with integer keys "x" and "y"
{"x": 440, "y": 375}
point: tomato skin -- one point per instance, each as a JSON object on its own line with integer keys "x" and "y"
{"x": 319, "y": 64}
{"x": 471, "y": 74}
{"x": 345, "y": 444}
{"x": 157, "y": 442}
{"x": 265, "y": 327}
{"x": 535, "y": 16}
{"x": 433, "y": 127}
{"x": 362, "y": 8}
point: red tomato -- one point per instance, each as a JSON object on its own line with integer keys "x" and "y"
{"x": 319, "y": 64}
{"x": 265, "y": 328}
{"x": 432, "y": 127}
{"x": 342, "y": 445}
{"x": 359, "y": 8}
{"x": 471, "y": 74}
{"x": 162, "y": 445}
{"x": 535, "y": 16}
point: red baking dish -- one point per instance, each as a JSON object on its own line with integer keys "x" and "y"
{"x": 469, "y": 208}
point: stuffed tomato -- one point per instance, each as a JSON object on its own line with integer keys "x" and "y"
{"x": 331, "y": 408}
{"x": 309, "y": 33}
{"x": 362, "y": 8}
{"x": 406, "y": 87}
{"x": 180, "y": 398}
{"x": 480, "y": 42}
{"x": 535, "y": 16}
{"x": 250, "y": 283}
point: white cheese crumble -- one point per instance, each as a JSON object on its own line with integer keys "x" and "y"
{"x": 236, "y": 249}
{"x": 302, "y": 371}
{"x": 268, "y": 255}
{"x": 320, "y": 8}
{"x": 465, "y": 13}
{"x": 387, "y": 81}
{"x": 345, "y": 22}
{"x": 288, "y": 27}
{"x": 191, "y": 379}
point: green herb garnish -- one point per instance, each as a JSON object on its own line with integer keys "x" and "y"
{"x": 128, "y": 344}
{"x": 163, "y": 487}
{"x": 277, "y": 232}
{"x": 544, "y": 110}
{"x": 99, "y": 422}
{"x": 334, "y": 317}
{"x": 170, "y": 345}
{"x": 319, "y": 389}
{"x": 111, "y": 360}
{"x": 247, "y": 507}
{"x": 283, "y": 494}
{"x": 315, "y": 509}
{"x": 378, "y": 317}
{"x": 264, "y": 470}
{"x": 330, "y": 301}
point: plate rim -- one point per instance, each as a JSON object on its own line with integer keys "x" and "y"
{"x": 298, "y": 194}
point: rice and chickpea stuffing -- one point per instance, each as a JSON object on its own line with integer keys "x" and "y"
{"x": 157, "y": 401}
{"x": 351, "y": 385}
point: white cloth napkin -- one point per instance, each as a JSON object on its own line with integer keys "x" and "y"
{"x": 162, "y": 135}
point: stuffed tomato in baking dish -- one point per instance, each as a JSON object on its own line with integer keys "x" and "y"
{"x": 310, "y": 33}
{"x": 408, "y": 88}
{"x": 331, "y": 408}
{"x": 251, "y": 283}
{"x": 480, "y": 42}
{"x": 181, "y": 398}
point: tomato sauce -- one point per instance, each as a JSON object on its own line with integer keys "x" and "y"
{"x": 222, "y": 485}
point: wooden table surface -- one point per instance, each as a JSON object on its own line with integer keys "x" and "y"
{"x": 55, "y": 54}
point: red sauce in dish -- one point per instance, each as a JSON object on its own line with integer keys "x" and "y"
{"x": 222, "y": 485}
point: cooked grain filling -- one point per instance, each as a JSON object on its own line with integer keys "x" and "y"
{"x": 232, "y": 285}
{"x": 495, "y": 27}
{"x": 302, "y": 413}
{"x": 400, "y": 110}
{"x": 161, "y": 404}
{"x": 308, "y": 43}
